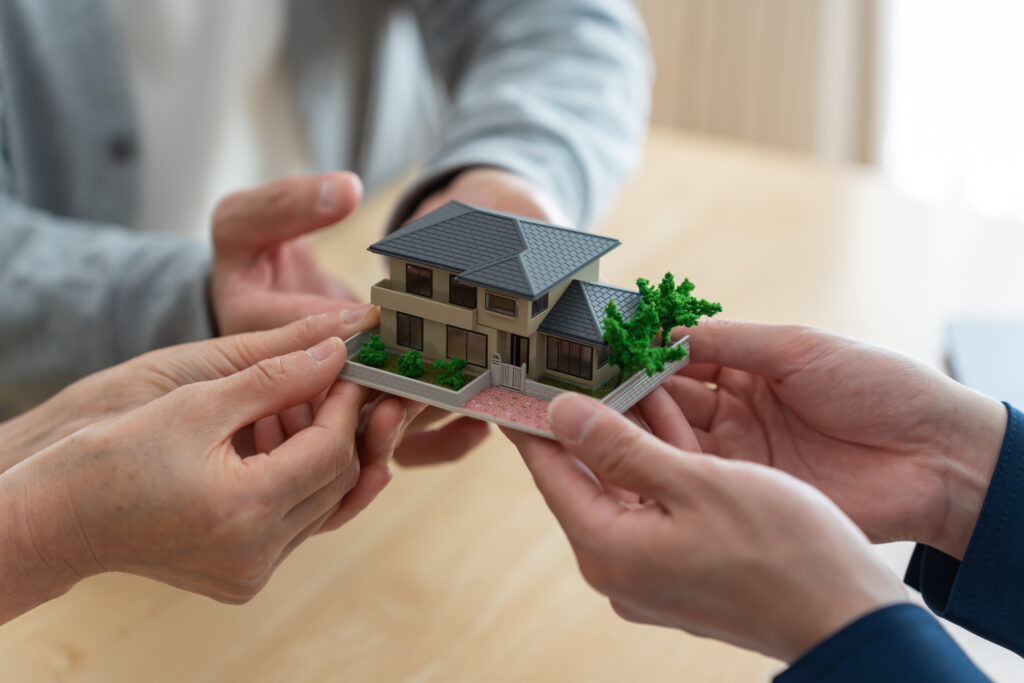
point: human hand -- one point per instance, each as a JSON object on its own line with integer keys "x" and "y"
{"x": 140, "y": 380}
{"x": 264, "y": 274}
{"x": 163, "y": 492}
{"x": 424, "y": 443}
{"x": 723, "y": 549}
{"x": 495, "y": 188}
{"x": 906, "y": 452}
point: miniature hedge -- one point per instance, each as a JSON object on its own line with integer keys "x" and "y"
{"x": 410, "y": 364}
{"x": 452, "y": 374}
{"x": 373, "y": 352}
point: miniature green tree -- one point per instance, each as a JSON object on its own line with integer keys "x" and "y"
{"x": 452, "y": 374}
{"x": 660, "y": 310}
{"x": 629, "y": 342}
{"x": 410, "y": 364}
{"x": 373, "y": 352}
{"x": 676, "y": 305}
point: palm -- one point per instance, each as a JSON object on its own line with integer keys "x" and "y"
{"x": 859, "y": 424}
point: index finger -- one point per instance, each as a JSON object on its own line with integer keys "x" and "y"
{"x": 771, "y": 350}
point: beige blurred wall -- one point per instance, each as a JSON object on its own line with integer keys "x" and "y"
{"x": 802, "y": 74}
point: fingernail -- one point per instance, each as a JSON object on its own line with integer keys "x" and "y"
{"x": 331, "y": 189}
{"x": 571, "y": 416}
{"x": 324, "y": 350}
{"x": 354, "y": 315}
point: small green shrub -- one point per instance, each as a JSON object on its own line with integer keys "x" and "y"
{"x": 452, "y": 374}
{"x": 410, "y": 364}
{"x": 373, "y": 352}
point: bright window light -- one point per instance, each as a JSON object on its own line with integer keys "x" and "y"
{"x": 955, "y": 113}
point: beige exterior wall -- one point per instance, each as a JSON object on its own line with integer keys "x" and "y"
{"x": 437, "y": 313}
{"x": 523, "y": 323}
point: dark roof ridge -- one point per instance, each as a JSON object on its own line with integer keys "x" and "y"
{"x": 496, "y": 249}
{"x": 526, "y": 219}
{"x": 606, "y": 285}
{"x": 584, "y": 284}
{"x": 524, "y": 246}
{"x": 413, "y": 227}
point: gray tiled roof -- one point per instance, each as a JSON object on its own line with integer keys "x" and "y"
{"x": 580, "y": 311}
{"x": 496, "y": 250}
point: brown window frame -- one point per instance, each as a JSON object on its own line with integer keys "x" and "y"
{"x": 539, "y": 305}
{"x": 490, "y": 297}
{"x": 466, "y": 292}
{"x": 416, "y": 277}
{"x": 465, "y": 345}
{"x": 408, "y": 321}
{"x": 567, "y": 357}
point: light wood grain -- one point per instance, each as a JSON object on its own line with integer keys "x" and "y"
{"x": 801, "y": 74}
{"x": 458, "y": 573}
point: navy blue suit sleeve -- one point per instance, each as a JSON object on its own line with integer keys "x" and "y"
{"x": 985, "y": 592}
{"x": 897, "y": 643}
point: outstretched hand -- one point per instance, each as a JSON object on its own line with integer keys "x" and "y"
{"x": 906, "y": 452}
{"x": 264, "y": 273}
{"x": 728, "y": 550}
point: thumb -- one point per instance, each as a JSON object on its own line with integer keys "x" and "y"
{"x": 265, "y": 216}
{"x": 275, "y": 384}
{"x": 617, "y": 451}
{"x": 241, "y": 351}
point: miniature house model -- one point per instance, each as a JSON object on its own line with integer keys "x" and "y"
{"x": 471, "y": 283}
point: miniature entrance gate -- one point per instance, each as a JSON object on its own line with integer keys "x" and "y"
{"x": 507, "y": 376}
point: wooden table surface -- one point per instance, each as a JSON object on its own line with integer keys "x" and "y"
{"x": 459, "y": 573}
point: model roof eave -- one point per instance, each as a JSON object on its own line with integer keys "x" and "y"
{"x": 579, "y": 314}
{"x": 495, "y": 250}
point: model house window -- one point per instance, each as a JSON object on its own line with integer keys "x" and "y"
{"x": 570, "y": 357}
{"x": 410, "y": 331}
{"x": 470, "y": 346}
{"x": 419, "y": 280}
{"x": 602, "y": 356}
{"x": 461, "y": 294}
{"x": 501, "y": 304}
{"x": 539, "y": 306}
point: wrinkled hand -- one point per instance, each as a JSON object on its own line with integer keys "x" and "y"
{"x": 906, "y": 452}
{"x": 264, "y": 274}
{"x": 494, "y": 188}
{"x": 728, "y": 550}
{"x": 136, "y": 382}
{"x": 163, "y": 492}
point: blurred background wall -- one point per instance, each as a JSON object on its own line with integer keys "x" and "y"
{"x": 928, "y": 90}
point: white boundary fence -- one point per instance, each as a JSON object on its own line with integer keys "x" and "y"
{"x": 406, "y": 386}
{"x": 621, "y": 399}
{"x": 639, "y": 385}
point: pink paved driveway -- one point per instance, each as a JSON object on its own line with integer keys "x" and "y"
{"x": 511, "y": 405}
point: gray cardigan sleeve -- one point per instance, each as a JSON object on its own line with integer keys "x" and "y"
{"x": 555, "y": 90}
{"x": 76, "y": 297}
